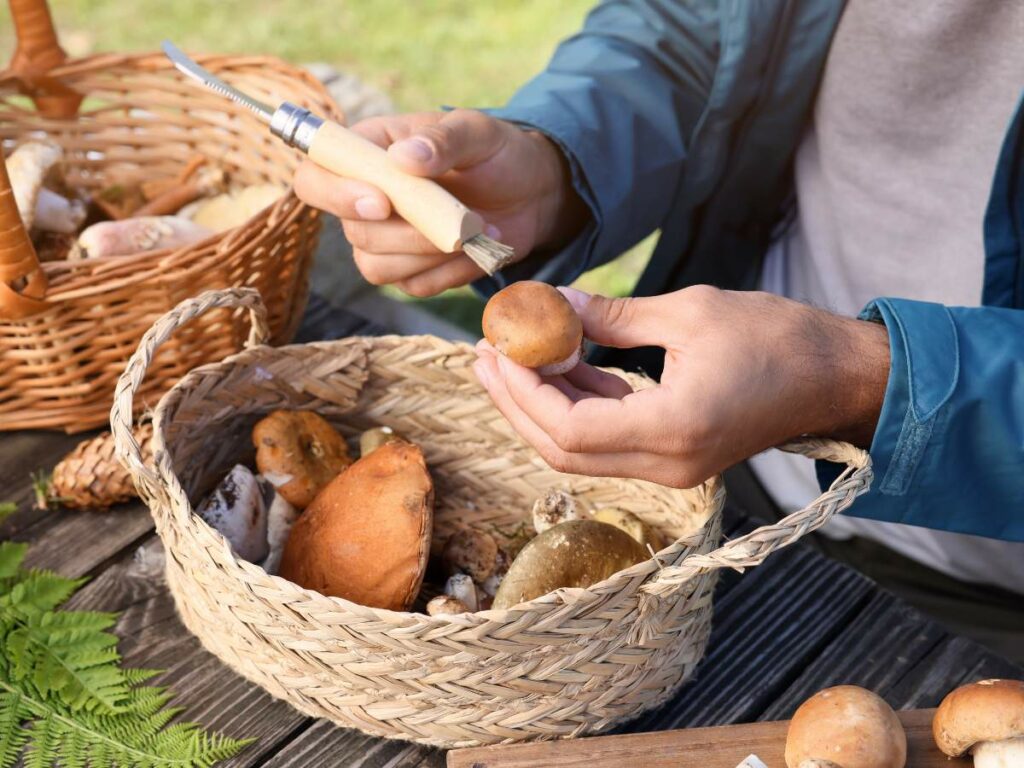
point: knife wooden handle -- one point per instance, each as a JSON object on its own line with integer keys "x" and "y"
{"x": 430, "y": 208}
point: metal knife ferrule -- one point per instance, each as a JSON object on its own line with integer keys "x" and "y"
{"x": 295, "y": 125}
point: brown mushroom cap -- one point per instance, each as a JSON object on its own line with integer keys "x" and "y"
{"x": 534, "y": 325}
{"x": 576, "y": 553}
{"x": 366, "y": 536}
{"x": 300, "y": 453}
{"x": 848, "y": 726}
{"x": 989, "y": 710}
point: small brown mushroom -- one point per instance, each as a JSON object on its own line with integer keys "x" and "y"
{"x": 446, "y": 604}
{"x": 632, "y": 525}
{"x": 555, "y": 507}
{"x": 472, "y": 552}
{"x": 845, "y": 727}
{"x": 300, "y": 453}
{"x": 372, "y": 439}
{"x": 576, "y": 553}
{"x": 492, "y": 583}
{"x": 534, "y": 325}
{"x": 986, "y": 719}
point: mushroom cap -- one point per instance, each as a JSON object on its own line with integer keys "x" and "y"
{"x": 533, "y": 324}
{"x": 472, "y": 552}
{"x": 300, "y": 453}
{"x": 576, "y": 553}
{"x": 28, "y": 166}
{"x": 989, "y": 710}
{"x": 848, "y": 726}
{"x": 366, "y": 536}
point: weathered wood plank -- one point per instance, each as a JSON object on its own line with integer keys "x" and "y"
{"x": 152, "y": 636}
{"x": 325, "y": 746}
{"x": 883, "y": 644}
{"x": 721, "y": 747}
{"x": 767, "y": 628}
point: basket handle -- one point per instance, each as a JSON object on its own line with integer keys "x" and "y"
{"x": 127, "y": 448}
{"x": 755, "y": 547}
{"x": 22, "y": 280}
{"x": 36, "y": 53}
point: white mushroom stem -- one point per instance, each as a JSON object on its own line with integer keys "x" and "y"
{"x": 446, "y": 604}
{"x": 1008, "y": 753}
{"x": 461, "y": 587}
{"x": 555, "y": 507}
{"x": 818, "y": 763}
{"x": 128, "y": 236}
{"x": 55, "y": 213}
{"x": 28, "y": 166}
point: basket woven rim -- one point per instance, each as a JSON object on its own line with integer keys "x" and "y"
{"x": 713, "y": 491}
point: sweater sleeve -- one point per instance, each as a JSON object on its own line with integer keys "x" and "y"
{"x": 620, "y": 99}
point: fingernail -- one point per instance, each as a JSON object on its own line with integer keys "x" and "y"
{"x": 370, "y": 208}
{"x": 492, "y": 232}
{"x": 481, "y": 373}
{"x": 579, "y": 299}
{"x": 416, "y": 150}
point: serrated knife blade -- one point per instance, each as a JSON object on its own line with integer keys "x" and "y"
{"x": 186, "y": 66}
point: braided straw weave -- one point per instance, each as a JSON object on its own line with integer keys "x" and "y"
{"x": 67, "y": 327}
{"x": 572, "y": 662}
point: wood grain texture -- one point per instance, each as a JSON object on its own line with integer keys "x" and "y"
{"x": 721, "y": 747}
{"x": 324, "y": 745}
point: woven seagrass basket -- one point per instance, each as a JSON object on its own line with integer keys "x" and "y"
{"x": 573, "y": 662}
{"x": 67, "y": 327}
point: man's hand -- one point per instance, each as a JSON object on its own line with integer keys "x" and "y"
{"x": 743, "y": 372}
{"x": 517, "y": 180}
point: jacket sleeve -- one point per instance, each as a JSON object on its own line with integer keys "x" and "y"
{"x": 948, "y": 451}
{"x": 620, "y": 99}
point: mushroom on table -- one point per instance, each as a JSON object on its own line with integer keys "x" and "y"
{"x": 845, "y": 727}
{"x": 986, "y": 719}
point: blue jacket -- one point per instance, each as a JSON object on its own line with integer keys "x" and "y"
{"x": 685, "y": 116}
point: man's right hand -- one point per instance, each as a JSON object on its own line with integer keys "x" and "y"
{"x": 516, "y": 179}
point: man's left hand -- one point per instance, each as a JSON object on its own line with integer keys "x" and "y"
{"x": 744, "y": 371}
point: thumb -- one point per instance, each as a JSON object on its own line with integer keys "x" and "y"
{"x": 624, "y": 323}
{"x": 460, "y": 139}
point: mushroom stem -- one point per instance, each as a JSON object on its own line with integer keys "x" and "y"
{"x": 1008, "y": 753}
{"x": 55, "y": 213}
{"x": 817, "y": 763}
{"x": 28, "y": 167}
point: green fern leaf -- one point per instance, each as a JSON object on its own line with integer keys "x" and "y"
{"x": 11, "y": 556}
{"x": 65, "y": 700}
{"x": 12, "y": 735}
{"x": 7, "y": 508}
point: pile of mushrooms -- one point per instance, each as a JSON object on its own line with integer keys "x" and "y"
{"x": 128, "y": 216}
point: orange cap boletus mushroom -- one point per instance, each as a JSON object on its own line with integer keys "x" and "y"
{"x": 534, "y": 325}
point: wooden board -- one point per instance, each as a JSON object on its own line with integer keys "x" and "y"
{"x": 720, "y": 747}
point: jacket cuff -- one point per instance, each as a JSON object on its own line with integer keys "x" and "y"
{"x": 923, "y": 373}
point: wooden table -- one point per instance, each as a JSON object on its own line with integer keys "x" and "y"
{"x": 782, "y": 631}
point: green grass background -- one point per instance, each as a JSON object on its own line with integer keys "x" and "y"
{"x": 422, "y": 53}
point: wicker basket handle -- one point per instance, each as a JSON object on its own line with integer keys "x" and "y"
{"x": 36, "y": 53}
{"x": 756, "y": 546}
{"x": 22, "y": 280}
{"x": 129, "y": 452}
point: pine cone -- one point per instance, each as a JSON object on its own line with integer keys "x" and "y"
{"x": 91, "y": 477}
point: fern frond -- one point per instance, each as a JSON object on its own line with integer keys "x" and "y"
{"x": 11, "y": 555}
{"x": 12, "y": 735}
{"x": 39, "y": 591}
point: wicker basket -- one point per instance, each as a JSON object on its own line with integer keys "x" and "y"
{"x": 67, "y": 327}
{"x": 572, "y": 662}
